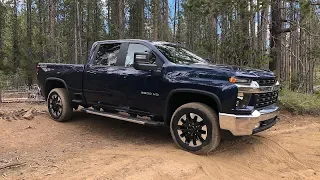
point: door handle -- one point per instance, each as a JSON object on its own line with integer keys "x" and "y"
{"x": 91, "y": 72}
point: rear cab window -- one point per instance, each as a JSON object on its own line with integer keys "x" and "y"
{"x": 107, "y": 54}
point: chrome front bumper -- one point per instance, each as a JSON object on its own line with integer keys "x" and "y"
{"x": 241, "y": 125}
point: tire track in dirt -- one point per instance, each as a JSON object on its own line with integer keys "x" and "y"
{"x": 314, "y": 126}
{"x": 297, "y": 168}
{"x": 133, "y": 165}
{"x": 287, "y": 156}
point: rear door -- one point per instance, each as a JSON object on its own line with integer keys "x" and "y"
{"x": 101, "y": 76}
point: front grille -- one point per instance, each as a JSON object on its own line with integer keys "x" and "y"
{"x": 265, "y": 99}
{"x": 266, "y": 82}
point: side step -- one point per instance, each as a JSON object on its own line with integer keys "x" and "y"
{"x": 123, "y": 117}
{"x": 77, "y": 101}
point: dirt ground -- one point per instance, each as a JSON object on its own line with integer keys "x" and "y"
{"x": 92, "y": 147}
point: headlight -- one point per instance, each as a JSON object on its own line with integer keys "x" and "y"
{"x": 239, "y": 80}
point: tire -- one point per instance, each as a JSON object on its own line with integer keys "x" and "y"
{"x": 195, "y": 128}
{"x": 59, "y": 106}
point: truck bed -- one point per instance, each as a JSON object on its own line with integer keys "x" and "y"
{"x": 71, "y": 74}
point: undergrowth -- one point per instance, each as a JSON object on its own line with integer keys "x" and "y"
{"x": 300, "y": 103}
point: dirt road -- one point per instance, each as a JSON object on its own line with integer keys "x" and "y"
{"x": 92, "y": 147}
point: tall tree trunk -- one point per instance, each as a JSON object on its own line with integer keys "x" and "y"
{"x": 2, "y": 26}
{"x": 252, "y": 33}
{"x": 114, "y": 25}
{"x": 275, "y": 42}
{"x": 75, "y": 32}
{"x": 41, "y": 29}
{"x": 155, "y": 19}
{"x": 88, "y": 28}
{"x": 79, "y": 31}
{"x": 190, "y": 30}
{"x": 29, "y": 35}
{"x": 212, "y": 34}
{"x": 109, "y": 17}
{"x": 52, "y": 16}
{"x": 165, "y": 21}
{"x": 179, "y": 30}
{"x": 121, "y": 19}
{"x": 174, "y": 21}
{"x": 136, "y": 21}
{"x": 15, "y": 46}
{"x": 96, "y": 24}
{"x": 245, "y": 31}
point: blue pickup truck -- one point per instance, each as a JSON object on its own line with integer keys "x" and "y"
{"x": 163, "y": 84}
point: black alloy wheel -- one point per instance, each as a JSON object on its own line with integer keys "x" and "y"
{"x": 55, "y": 105}
{"x": 195, "y": 128}
{"x": 192, "y": 130}
{"x": 59, "y": 105}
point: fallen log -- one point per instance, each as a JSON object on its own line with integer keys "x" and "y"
{"x": 21, "y": 100}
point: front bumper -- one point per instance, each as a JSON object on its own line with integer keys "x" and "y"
{"x": 257, "y": 121}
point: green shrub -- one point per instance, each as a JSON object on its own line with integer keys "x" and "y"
{"x": 300, "y": 103}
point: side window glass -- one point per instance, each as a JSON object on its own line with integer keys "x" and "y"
{"x": 134, "y": 48}
{"x": 107, "y": 54}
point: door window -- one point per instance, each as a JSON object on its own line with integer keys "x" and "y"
{"x": 107, "y": 54}
{"x": 135, "y": 48}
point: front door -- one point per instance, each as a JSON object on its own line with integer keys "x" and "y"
{"x": 141, "y": 88}
{"x": 101, "y": 76}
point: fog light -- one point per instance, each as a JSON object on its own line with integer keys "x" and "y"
{"x": 243, "y": 100}
{"x": 240, "y": 95}
{"x": 239, "y": 98}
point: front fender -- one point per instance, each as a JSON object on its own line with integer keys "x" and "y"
{"x": 195, "y": 91}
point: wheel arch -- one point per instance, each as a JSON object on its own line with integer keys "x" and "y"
{"x": 174, "y": 100}
{"x": 52, "y": 83}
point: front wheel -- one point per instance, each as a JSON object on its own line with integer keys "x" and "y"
{"x": 194, "y": 127}
{"x": 59, "y": 106}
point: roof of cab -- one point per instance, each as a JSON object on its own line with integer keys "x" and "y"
{"x": 134, "y": 40}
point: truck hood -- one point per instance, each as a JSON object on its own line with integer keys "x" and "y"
{"x": 238, "y": 71}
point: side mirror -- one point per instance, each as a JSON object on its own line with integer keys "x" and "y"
{"x": 143, "y": 61}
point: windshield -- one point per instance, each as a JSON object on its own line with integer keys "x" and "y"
{"x": 179, "y": 55}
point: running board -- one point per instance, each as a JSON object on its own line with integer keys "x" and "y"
{"x": 122, "y": 117}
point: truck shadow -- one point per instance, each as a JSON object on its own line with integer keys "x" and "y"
{"x": 117, "y": 130}
{"x": 112, "y": 130}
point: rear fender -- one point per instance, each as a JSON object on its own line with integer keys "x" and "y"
{"x": 51, "y": 79}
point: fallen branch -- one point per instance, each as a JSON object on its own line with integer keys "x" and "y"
{"x": 13, "y": 164}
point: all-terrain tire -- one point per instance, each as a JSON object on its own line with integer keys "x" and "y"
{"x": 206, "y": 118}
{"x": 58, "y": 99}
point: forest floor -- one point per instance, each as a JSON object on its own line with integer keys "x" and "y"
{"x": 92, "y": 147}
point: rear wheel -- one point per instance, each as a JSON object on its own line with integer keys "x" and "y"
{"x": 59, "y": 106}
{"x": 194, "y": 127}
